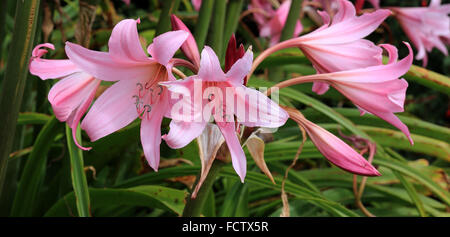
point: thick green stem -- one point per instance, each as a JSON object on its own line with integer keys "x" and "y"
{"x": 79, "y": 182}
{"x": 204, "y": 18}
{"x": 218, "y": 22}
{"x": 194, "y": 207}
{"x": 233, "y": 12}
{"x": 169, "y": 8}
{"x": 15, "y": 76}
{"x": 289, "y": 27}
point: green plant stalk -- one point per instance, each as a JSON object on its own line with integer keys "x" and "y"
{"x": 429, "y": 79}
{"x": 232, "y": 20}
{"x": 194, "y": 207}
{"x": 204, "y": 18}
{"x": 169, "y": 8}
{"x": 293, "y": 16}
{"x": 218, "y": 23}
{"x": 34, "y": 171}
{"x": 15, "y": 76}
{"x": 79, "y": 182}
{"x": 3, "y": 13}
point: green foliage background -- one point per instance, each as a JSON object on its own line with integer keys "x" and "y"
{"x": 48, "y": 176}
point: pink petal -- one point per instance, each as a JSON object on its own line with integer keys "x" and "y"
{"x": 254, "y": 109}
{"x": 67, "y": 94}
{"x": 348, "y": 30}
{"x": 338, "y": 152}
{"x": 197, "y": 4}
{"x": 182, "y": 133}
{"x": 240, "y": 69}
{"x": 165, "y": 45}
{"x": 151, "y": 132}
{"x": 346, "y": 12}
{"x": 210, "y": 69}
{"x": 237, "y": 153}
{"x": 102, "y": 66}
{"x": 320, "y": 87}
{"x": 113, "y": 110}
{"x": 45, "y": 68}
{"x": 189, "y": 47}
{"x": 124, "y": 44}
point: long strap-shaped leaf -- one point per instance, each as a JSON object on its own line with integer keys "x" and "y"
{"x": 145, "y": 196}
{"x": 15, "y": 76}
{"x": 79, "y": 183}
{"x": 34, "y": 172}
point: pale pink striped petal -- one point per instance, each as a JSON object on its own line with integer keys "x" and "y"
{"x": 254, "y": 109}
{"x": 240, "y": 69}
{"x": 45, "y": 68}
{"x": 113, "y": 110}
{"x": 182, "y": 133}
{"x": 210, "y": 69}
{"x": 124, "y": 44}
{"x": 237, "y": 153}
{"x": 103, "y": 67}
{"x": 165, "y": 45}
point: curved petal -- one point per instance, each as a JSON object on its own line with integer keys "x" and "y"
{"x": 210, "y": 69}
{"x": 67, "y": 94}
{"x": 102, "y": 66}
{"x": 164, "y": 46}
{"x": 348, "y": 30}
{"x": 113, "y": 110}
{"x": 189, "y": 47}
{"x": 151, "y": 133}
{"x": 337, "y": 151}
{"x": 182, "y": 133}
{"x": 124, "y": 44}
{"x": 45, "y": 68}
{"x": 240, "y": 69}
{"x": 237, "y": 153}
{"x": 254, "y": 109}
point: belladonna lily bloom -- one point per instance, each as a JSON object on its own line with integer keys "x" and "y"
{"x": 333, "y": 148}
{"x": 222, "y": 96}
{"x": 73, "y": 94}
{"x": 136, "y": 92}
{"x": 426, "y": 27}
{"x": 338, "y": 45}
{"x": 272, "y": 22}
{"x": 374, "y": 89}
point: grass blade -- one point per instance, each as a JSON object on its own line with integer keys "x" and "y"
{"x": 15, "y": 76}
{"x": 34, "y": 171}
{"x": 79, "y": 183}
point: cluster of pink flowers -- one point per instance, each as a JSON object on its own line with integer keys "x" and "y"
{"x": 145, "y": 87}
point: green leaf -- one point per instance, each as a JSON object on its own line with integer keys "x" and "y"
{"x": 296, "y": 190}
{"x": 236, "y": 201}
{"x": 79, "y": 183}
{"x": 16, "y": 72}
{"x": 32, "y": 118}
{"x": 143, "y": 196}
{"x": 34, "y": 171}
{"x": 204, "y": 18}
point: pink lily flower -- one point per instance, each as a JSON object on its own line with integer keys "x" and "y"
{"x": 273, "y": 23}
{"x": 203, "y": 96}
{"x": 426, "y": 27}
{"x": 189, "y": 48}
{"x": 126, "y": 2}
{"x": 374, "y": 89}
{"x": 333, "y": 148}
{"x": 72, "y": 95}
{"x": 338, "y": 45}
{"x": 136, "y": 92}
